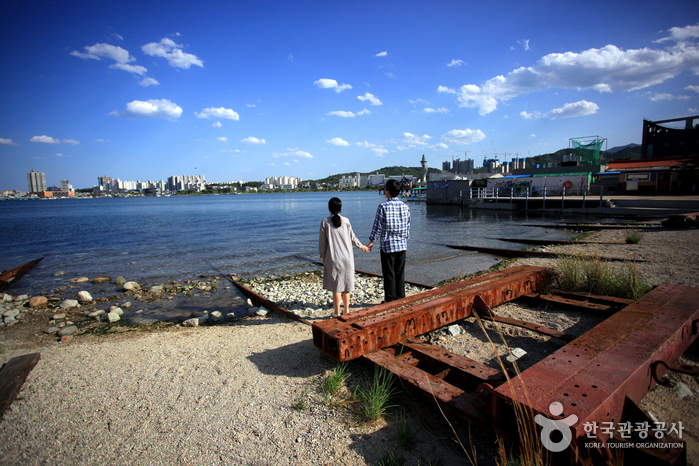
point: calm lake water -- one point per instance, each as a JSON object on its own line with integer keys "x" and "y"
{"x": 152, "y": 240}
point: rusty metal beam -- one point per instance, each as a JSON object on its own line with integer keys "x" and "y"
{"x": 260, "y": 300}
{"x": 618, "y": 359}
{"x": 372, "y": 329}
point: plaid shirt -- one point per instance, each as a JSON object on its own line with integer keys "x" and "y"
{"x": 392, "y": 225}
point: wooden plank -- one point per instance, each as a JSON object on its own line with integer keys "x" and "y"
{"x": 12, "y": 377}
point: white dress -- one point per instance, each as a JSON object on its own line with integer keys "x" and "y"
{"x": 336, "y": 245}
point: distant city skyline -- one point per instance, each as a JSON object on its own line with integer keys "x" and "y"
{"x": 245, "y": 89}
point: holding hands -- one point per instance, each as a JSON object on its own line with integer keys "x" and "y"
{"x": 364, "y": 249}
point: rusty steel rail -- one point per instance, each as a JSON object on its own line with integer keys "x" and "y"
{"x": 260, "y": 300}
{"x": 602, "y": 374}
{"x": 363, "y": 332}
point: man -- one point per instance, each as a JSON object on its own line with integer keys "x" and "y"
{"x": 392, "y": 229}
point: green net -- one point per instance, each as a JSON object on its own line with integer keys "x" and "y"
{"x": 587, "y": 153}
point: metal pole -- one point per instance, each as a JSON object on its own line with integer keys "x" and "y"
{"x": 563, "y": 198}
{"x": 511, "y": 193}
{"x": 544, "y": 197}
{"x": 526, "y": 202}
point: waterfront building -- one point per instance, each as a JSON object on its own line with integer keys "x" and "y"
{"x": 186, "y": 183}
{"x": 354, "y": 181}
{"x": 376, "y": 180}
{"x": 36, "y": 181}
{"x": 281, "y": 182}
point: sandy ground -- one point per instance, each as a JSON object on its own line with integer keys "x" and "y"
{"x": 249, "y": 392}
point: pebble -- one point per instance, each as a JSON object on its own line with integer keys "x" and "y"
{"x": 69, "y": 303}
{"x": 66, "y": 331}
{"x": 84, "y": 297}
{"x": 113, "y": 317}
{"x": 59, "y": 316}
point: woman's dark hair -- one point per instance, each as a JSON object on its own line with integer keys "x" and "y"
{"x": 335, "y": 206}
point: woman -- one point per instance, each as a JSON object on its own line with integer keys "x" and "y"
{"x": 335, "y": 246}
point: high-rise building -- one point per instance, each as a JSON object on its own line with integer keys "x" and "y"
{"x": 36, "y": 181}
{"x": 66, "y": 186}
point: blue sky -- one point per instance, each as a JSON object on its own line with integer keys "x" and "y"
{"x": 246, "y": 90}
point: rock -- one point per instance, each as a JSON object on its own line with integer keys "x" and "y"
{"x": 96, "y": 313}
{"x": 12, "y": 313}
{"x": 98, "y": 280}
{"x": 79, "y": 280}
{"x": 516, "y": 354}
{"x": 84, "y": 297}
{"x": 38, "y": 301}
{"x": 262, "y": 311}
{"x": 113, "y": 317}
{"x": 59, "y": 274}
{"x": 126, "y": 305}
{"x": 248, "y": 304}
{"x": 120, "y": 281}
{"x": 455, "y": 330}
{"x": 51, "y": 330}
{"x": 6, "y": 298}
{"x": 69, "y": 303}
{"x": 59, "y": 316}
{"x": 193, "y": 322}
{"x": 118, "y": 311}
{"x": 216, "y": 314}
{"x": 157, "y": 291}
{"x": 20, "y": 298}
{"x": 131, "y": 286}
{"x": 65, "y": 331}
{"x": 10, "y": 320}
{"x": 66, "y": 338}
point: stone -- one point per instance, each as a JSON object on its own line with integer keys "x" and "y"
{"x": 10, "y": 320}
{"x": 59, "y": 274}
{"x": 516, "y": 354}
{"x": 59, "y": 316}
{"x": 126, "y": 305}
{"x": 683, "y": 390}
{"x": 20, "y": 298}
{"x": 120, "y": 281}
{"x": 98, "y": 280}
{"x": 79, "y": 280}
{"x": 38, "y": 301}
{"x": 118, "y": 311}
{"x": 96, "y": 313}
{"x": 193, "y": 322}
{"x": 12, "y": 313}
{"x": 262, "y": 311}
{"x": 157, "y": 290}
{"x": 65, "y": 331}
{"x": 216, "y": 314}
{"x": 113, "y": 317}
{"x": 69, "y": 303}
{"x": 131, "y": 286}
{"x": 84, "y": 297}
{"x": 248, "y": 304}
{"x": 6, "y": 298}
{"x": 455, "y": 330}
{"x": 66, "y": 338}
{"x": 51, "y": 330}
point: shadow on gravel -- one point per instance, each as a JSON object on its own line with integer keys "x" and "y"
{"x": 299, "y": 359}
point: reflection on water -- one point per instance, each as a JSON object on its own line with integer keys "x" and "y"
{"x": 155, "y": 239}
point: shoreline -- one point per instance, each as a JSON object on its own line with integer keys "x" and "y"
{"x": 224, "y": 394}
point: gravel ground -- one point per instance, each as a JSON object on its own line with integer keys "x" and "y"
{"x": 227, "y": 394}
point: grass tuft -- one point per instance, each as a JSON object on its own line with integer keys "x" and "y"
{"x": 300, "y": 403}
{"x": 404, "y": 434}
{"x": 335, "y": 380}
{"x": 633, "y": 236}
{"x": 375, "y": 399}
{"x": 391, "y": 460}
{"x": 596, "y": 275}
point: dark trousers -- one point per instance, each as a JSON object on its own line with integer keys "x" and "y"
{"x": 393, "y": 268}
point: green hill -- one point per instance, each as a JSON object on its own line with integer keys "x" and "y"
{"x": 632, "y": 152}
{"x": 387, "y": 171}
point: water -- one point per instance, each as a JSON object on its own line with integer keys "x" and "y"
{"x": 152, "y": 240}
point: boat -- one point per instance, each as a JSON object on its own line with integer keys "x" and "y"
{"x": 415, "y": 194}
{"x": 9, "y": 276}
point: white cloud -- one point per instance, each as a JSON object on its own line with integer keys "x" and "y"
{"x": 220, "y": 112}
{"x": 681, "y": 34}
{"x": 605, "y": 70}
{"x": 72, "y": 142}
{"x": 223, "y": 139}
{"x": 45, "y": 140}
{"x": 692, "y": 88}
{"x": 445, "y": 90}
{"x": 370, "y": 97}
{"x": 173, "y": 53}
{"x": 99, "y": 51}
{"x": 402, "y": 148}
{"x": 253, "y": 140}
{"x": 390, "y": 75}
{"x": 410, "y": 138}
{"x": 575, "y": 109}
{"x": 217, "y": 124}
{"x": 338, "y": 142}
{"x": 379, "y": 152}
{"x": 381, "y": 54}
{"x": 231, "y": 150}
{"x": 439, "y": 146}
{"x": 154, "y": 108}
{"x": 251, "y": 105}
{"x": 344, "y": 114}
{"x": 293, "y": 153}
{"x": 135, "y": 69}
{"x": 438, "y": 110}
{"x": 8, "y": 142}
{"x": 101, "y": 140}
{"x": 287, "y": 164}
{"x": 331, "y": 84}
{"x": 417, "y": 101}
{"x": 658, "y": 97}
{"x": 366, "y": 144}
{"x": 456, "y": 63}
{"x": 463, "y": 136}
{"x": 524, "y": 43}
{"x": 149, "y": 82}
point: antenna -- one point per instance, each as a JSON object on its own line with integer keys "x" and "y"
{"x": 30, "y": 165}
